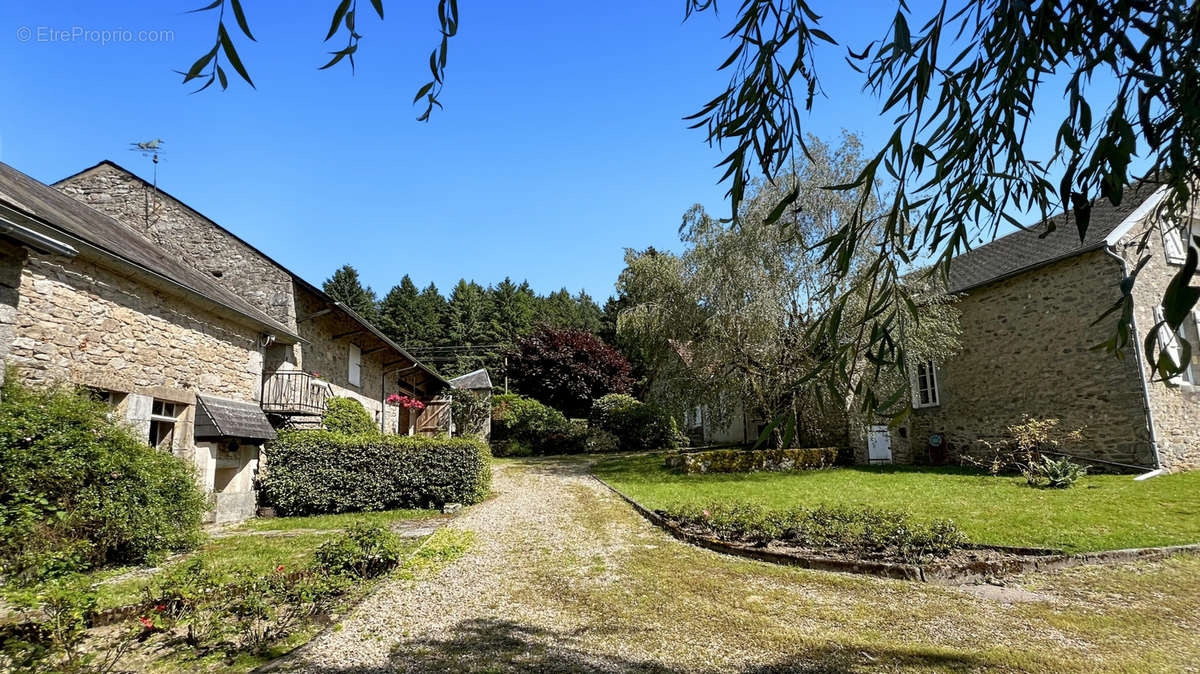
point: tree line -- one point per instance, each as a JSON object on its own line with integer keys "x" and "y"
{"x": 490, "y": 318}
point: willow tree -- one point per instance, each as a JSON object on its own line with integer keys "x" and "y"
{"x": 958, "y": 88}
{"x": 738, "y": 314}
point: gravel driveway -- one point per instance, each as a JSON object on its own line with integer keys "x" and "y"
{"x": 563, "y": 576}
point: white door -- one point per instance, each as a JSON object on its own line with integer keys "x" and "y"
{"x": 879, "y": 444}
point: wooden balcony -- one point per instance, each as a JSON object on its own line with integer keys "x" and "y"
{"x": 294, "y": 393}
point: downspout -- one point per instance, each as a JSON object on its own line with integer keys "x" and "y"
{"x": 1137, "y": 352}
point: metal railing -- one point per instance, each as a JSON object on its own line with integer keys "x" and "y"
{"x": 294, "y": 392}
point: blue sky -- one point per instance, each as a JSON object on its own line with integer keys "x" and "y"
{"x": 562, "y": 141}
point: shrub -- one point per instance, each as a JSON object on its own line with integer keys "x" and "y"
{"x": 523, "y": 426}
{"x": 636, "y": 425}
{"x": 601, "y": 442}
{"x": 364, "y": 551}
{"x": 315, "y": 472}
{"x": 77, "y": 490}
{"x": 1023, "y": 445}
{"x": 567, "y": 369}
{"x": 347, "y": 415}
{"x": 747, "y": 460}
{"x": 470, "y": 411}
{"x": 859, "y": 532}
{"x": 1054, "y": 473}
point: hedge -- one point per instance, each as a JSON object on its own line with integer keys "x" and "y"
{"x": 744, "y": 460}
{"x": 317, "y": 472}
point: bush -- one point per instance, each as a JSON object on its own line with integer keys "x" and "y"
{"x": 567, "y": 369}
{"x": 316, "y": 472}
{"x": 747, "y": 460}
{"x": 347, "y": 415}
{"x": 1022, "y": 447}
{"x": 78, "y": 490}
{"x": 859, "y": 532}
{"x": 1054, "y": 473}
{"x": 470, "y": 411}
{"x": 523, "y": 426}
{"x": 601, "y": 442}
{"x": 637, "y": 425}
{"x": 364, "y": 551}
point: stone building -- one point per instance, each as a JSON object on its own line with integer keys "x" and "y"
{"x": 1029, "y": 306}
{"x": 200, "y": 342}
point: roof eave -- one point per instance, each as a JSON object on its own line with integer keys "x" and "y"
{"x": 38, "y": 226}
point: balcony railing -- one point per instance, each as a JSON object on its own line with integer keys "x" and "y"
{"x": 294, "y": 392}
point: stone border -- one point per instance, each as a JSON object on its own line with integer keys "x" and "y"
{"x": 1023, "y": 560}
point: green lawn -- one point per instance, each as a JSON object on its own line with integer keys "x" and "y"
{"x": 340, "y": 521}
{"x": 1101, "y": 512}
{"x": 244, "y": 549}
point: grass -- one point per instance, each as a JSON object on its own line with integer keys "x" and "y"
{"x": 244, "y": 548}
{"x": 339, "y": 521}
{"x": 1101, "y": 512}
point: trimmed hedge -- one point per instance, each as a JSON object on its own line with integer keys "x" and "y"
{"x": 347, "y": 415}
{"x": 317, "y": 472}
{"x": 747, "y": 460}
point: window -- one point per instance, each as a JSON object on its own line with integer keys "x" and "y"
{"x": 925, "y": 390}
{"x": 163, "y": 417}
{"x": 1174, "y": 244}
{"x": 355, "y": 373}
{"x": 1168, "y": 343}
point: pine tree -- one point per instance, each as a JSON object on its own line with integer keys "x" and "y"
{"x": 398, "y": 313}
{"x": 469, "y": 314}
{"x": 430, "y": 317}
{"x": 345, "y": 287}
{"x": 588, "y": 315}
{"x": 512, "y": 310}
{"x": 555, "y": 310}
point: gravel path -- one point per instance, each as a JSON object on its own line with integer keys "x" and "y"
{"x": 564, "y": 577}
{"x": 535, "y": 516}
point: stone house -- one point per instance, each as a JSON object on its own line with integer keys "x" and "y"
{"x": 479, "y": 383}
{"x": 1029, "y": 305}
{"x": 200, "y": 342}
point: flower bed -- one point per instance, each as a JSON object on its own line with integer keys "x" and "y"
{"x": 746, "y": 460}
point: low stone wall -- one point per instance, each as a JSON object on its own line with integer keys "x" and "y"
{"x": 747, "y": 460}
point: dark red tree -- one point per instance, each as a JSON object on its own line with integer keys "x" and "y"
{"x": 567, "y": 369}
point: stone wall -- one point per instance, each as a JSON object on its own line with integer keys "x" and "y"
{"x": 1026, "y": 349}
{"x": 188, "y": 234}
{"x": 78, "y": 322}
{"x": 1175, "y": 406}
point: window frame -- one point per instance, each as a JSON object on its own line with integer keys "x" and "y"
{"x": 354, "y": 365}
{"x": 931, "y": 387}
{"x": 163, "y": 423}
{"x": 1175, "y": 244}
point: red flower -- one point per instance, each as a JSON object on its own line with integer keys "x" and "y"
{"x": 146, "y": 622}
{"x": 160, "y": 608}
{"x": 279, "y": 569}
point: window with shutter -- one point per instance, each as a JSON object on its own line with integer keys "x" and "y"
{"x": 1168, "y": 342}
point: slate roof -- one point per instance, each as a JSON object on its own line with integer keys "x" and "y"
{"x": 476, "y": 380}
{"x": 1027, "y": 249}
{"x": 55, "y": 209}
{"x": 319, "y": 292}
{"x": 218, "y": 417}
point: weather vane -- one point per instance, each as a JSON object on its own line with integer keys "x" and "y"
{"x": 149, "y": 148}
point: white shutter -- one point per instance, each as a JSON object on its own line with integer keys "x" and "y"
{"x": 355, "y": 373}
{"x": 1167, "y": 341}
{"x": 1173, "y": 244}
